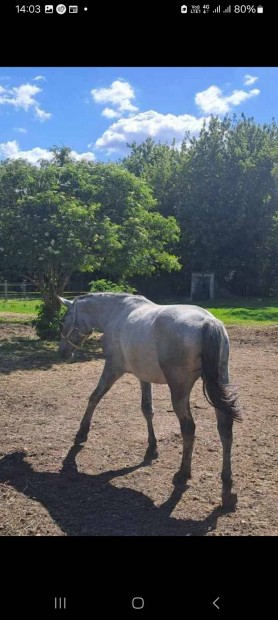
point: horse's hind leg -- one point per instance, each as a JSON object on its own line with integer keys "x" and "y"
{"x": 180, "y": 387}
{"x": 225, "y": 429}
{"x": 187, "y": 425}
{"x": 225, "y": 425}
{"x": 107, "y": 379}
{"x": 148, "y": 412}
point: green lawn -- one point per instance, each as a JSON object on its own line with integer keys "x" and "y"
{"x": 240, "y": 310}
{"x": 244, "y": 311}
{"x": 22, "y": 306}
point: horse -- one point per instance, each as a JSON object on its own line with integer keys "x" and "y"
{"x": 164, "y": 344}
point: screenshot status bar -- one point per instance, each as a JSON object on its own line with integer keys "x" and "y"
{"x": 235, "y": 9}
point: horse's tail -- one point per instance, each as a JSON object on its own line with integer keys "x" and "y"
{"x": 220, "y": 395}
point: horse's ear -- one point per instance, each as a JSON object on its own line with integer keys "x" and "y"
{"x": 66, "y": 302}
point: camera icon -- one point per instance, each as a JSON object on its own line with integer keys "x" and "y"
{"x": 183, "y": 8}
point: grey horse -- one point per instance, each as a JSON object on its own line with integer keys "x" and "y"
{"x": 173, "y": 344}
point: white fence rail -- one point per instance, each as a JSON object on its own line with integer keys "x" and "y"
{"x": 18, "y": 290}
{"x": 26, "y": 290}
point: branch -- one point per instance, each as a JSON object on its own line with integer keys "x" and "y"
{"x": 63, "y": 280}
{"x": 30, "y": 279}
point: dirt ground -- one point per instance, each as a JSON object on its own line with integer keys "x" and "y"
{"x": 105, "y": 489}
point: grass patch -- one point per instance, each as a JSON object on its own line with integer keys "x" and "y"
{"x": 21, "y": 306}
{"x": 248, "y": 311}
{"x": 246, "y": 316}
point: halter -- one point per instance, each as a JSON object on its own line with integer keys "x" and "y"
{"x": 71, "y": 329}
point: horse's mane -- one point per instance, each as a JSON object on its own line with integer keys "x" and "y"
{"x": 118, "y": 295}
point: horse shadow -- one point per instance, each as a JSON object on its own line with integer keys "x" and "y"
{"x": 33, "y": 354}
{"x": 89, "y": 505}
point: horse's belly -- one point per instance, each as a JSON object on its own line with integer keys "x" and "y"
{"x": 144, "y": 365}
{"x": 151, "y": 374}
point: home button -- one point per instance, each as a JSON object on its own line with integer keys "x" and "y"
{"x": 137, "y": 602}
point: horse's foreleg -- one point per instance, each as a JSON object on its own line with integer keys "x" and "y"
{"x": 148, "y": 412}
{"x": 107, "y": 379}
{"x": 225, "y": 425}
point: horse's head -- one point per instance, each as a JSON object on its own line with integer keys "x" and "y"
{"x": 72, "y": 335}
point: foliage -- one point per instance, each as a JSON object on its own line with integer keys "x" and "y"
{"x": 146, "y": 238}
{"x": 222, "y": 189}
{"x": 209, "y": 205}
{"x": 103, "y": 286}
{"x": 159, "y": 165}
{"x": 48, "y": 324}
{"x": 66, "y": 216}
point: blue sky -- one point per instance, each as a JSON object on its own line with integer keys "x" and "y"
{"x": 96, "y": 111}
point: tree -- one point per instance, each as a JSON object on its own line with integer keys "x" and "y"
{"x": 159, "y": 165}
{"x": 64, "y": 216}
{"x": 146, "y": 237}
{"x": 226, "y": 201}
{"x": 46, "y": 235}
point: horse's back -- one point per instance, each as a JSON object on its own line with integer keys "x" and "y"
{"x": 178, "y": 333}
{"x": 154, "y": 336}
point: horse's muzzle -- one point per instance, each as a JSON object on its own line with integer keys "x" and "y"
{"x": 65, "y": 351}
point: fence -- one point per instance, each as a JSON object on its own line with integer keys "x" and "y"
{"x": 26, "y": 290}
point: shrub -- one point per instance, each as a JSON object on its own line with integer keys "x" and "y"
{"x": 48, "y": 324}
{"x": 106, "y": 286}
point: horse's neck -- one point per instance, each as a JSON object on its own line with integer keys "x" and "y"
{"x": 100, "y": 309}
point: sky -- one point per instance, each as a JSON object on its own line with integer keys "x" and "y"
{"x": 96, "y": 111}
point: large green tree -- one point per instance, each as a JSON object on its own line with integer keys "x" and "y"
{"x": 47, "y": 234}
{"x": 226, "y": 201}
{"x": 221, "y": 189}
{"x": 66, "y": 216}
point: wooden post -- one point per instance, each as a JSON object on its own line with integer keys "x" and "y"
{"x": 6, "y": 289}
{"x": 211, "y": 286}
{"x": 24, "y": 289}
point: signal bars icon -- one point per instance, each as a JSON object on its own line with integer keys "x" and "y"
{"x": 217, "y": 10}
{"x": 228, "y": 9}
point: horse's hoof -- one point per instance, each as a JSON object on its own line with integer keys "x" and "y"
{"x": 150, "y": 455}
{"x": 229, "y": 501}
{"x": 180, "y": 480}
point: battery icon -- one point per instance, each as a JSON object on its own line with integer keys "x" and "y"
{"x": 260, "y": 9}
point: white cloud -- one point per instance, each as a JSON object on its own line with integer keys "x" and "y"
{"x": 238, "y": 96}
{"x": 89, "y": 156}
{"x": 120, "y": 95}
{"x": 212, "y": 100}
{"x": 11, "y": 150}
{"x": 39, "y": 77}
{"x": 20, "y": 129}
{"x": 250, "y": 79}
{"x": 109, "y": 113}
{"x": 41, "y": 114}
{"x": 164, "y": 127}
{"x": 23, "y": 97}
